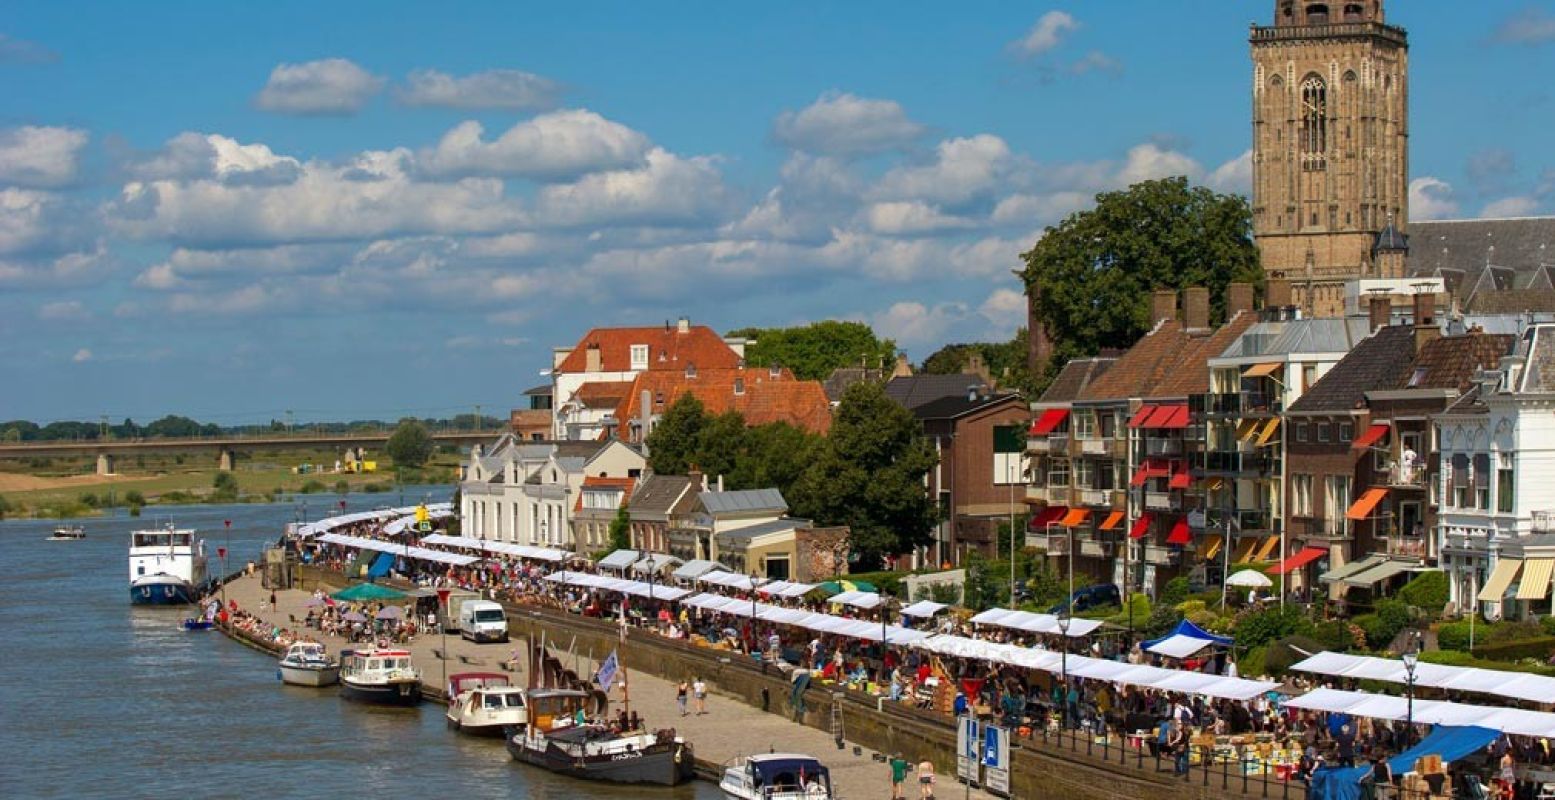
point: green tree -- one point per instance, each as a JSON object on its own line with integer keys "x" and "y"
{"x": 720, "y": 444}
{"x": 775, "y": 456}
{"x": 813, "y": 351}
{"x": 869, "y": 476}
{"x": 226, "y": 486}
{"x": 673, "y": 443}
{"x": 5, "y": 507}
{"x": 1006, "y": 361}
{"x": 1093, "y": 273}
{"x": 621, "y": 529}
{"x": 410, "y": 445}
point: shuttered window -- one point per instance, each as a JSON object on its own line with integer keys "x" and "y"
{"x": 1482, "y": 481}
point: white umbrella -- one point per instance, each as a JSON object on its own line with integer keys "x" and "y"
{"x": 1249, "y": 578}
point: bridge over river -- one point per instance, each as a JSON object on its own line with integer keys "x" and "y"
{"x": 226, "y": 448}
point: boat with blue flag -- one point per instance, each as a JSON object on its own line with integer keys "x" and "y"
{"x": 167, "y": 566}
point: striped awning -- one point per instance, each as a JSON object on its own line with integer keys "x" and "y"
{"x": 1244, "y": 551}
{"x": 1267, "y": 434}
{"x": 1049, "y": 421}
{"x": 1500, "y": 579}
{"x": 1536, "y": 579}
{"x": 1076, "y": 517}
{"x": 1266, "y": 548}
{"x": 1209, "y": 546}
{"x": 1378, "y": 574}
{"x": 1343, "y": 571}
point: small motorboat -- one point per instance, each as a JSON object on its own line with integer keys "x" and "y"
{"x": 483, "y": 703}
{"x": 380, "y": 675}
{"x": 776, "y": 776}
{"x": 67, "y": 533}
{"x": 197, "y": 624}
{"x": 308, "y": 664}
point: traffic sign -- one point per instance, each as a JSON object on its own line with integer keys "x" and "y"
{"x": 968, "y": 749}
{"x": 996, "y": 757}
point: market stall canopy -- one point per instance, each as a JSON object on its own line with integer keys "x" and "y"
{"x": 732, "y": 580}
{"x": 393, "y": 548}
{"x": 363, "y": 592}
{"x": 924, "y": 608}
{"x": 786, "y": 589}
{"x": 620, "y": 559}
{"x": 489, "y": 546}
{"x": 696, "y": 568}
{"x": 652, "y": 591}
{"x": 856, "y": 599}
{"x": 1035, "y": 623}
{"x": 653, "y": 562}
{"x": 399, "y": 525}
{"x": 1516, "y": 685}
{"x": 1450, "y": 742}
{"x": 840, "y": 586}
{"x": 1185, "y": 640}
{"x": 1517, "y": 722}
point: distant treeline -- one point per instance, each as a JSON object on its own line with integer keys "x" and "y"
{"x": 173, "y": 426}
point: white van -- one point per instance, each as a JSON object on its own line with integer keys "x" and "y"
{"x": 483, "y": 621}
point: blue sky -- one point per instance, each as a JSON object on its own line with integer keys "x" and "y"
{"x": 374, "y": 209}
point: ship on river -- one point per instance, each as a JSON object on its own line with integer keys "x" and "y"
{"x": 167, "y": 566}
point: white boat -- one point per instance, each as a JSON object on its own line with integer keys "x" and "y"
{"x": 308, "y": 664}
{"x": 67, "y": 533}
{"x": 483, "y": 703}
{"x": 380, "y": 675}
{"x": 167, "y": 566}
{"x": 776, "y": 776}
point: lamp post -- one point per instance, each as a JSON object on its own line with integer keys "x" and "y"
{"x": 1063, "y": 632}
{"x": 1010, "y": 478}
{"x": 225, "y": 570}
{"x": 442, "y": 624}
{"x": 1411, "y": 660}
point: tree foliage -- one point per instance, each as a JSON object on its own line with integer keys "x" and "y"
{"x": 672, "y": 444}
{"x": 1006, "y": 362}
{"x": 1093, "y": 273}
{"x": 814, "y": 351}
{"x": 410, "y": 445}
{"x": 868, "y": 474}
{"x": 621, "y": 530}
{"x": 767, "y": 456}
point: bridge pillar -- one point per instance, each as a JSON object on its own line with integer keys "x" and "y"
{"x": 228, "y": 460}
{"x": 104, "y": 464}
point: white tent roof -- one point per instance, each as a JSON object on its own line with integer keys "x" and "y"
{"x": 857, "y": 600}
{"x": 328, "y": 524}
{"x": 620, "y": 559}
{"x": 696, "y": 568}
{"x": 378, "y": 545}
{"x": 488, "y": 546}
{"x": 786, "y": 589}
{"x": 398, "y": 526}
{"x": 1516, "y": 685}
{"x": 733, "y": 580}
{"x": 1034, "y": 623}
{"x": 653, "y": 562}
{"x": 1434, "y": 712}
{"x": 924, "y": 608}
{"x": 1179, "y": 646}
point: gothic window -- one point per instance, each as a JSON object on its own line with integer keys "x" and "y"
{"x": 1317, "y": 13}
{"x": 1314, "y": 122}
{"x": 1353, "y": 12}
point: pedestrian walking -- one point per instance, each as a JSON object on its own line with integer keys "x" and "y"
{"x": 681, "y": 691}
{"x": 925, "y": 779}
{"x": 699, "y": 690}
{"x": 899, "y": 767}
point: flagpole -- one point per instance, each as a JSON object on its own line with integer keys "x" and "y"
{"x": 626, "y": 693}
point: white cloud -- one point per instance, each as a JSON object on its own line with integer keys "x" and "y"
{"x": 1531, "y": 26}
{"x": 64, "y": 311}
{"x": 668, "y": 189}
{"x": 506, "y": 89}
{"x": 1150, "y": 161}
{"x": 327, "y": 86}
{"x": 1005, "y": 310}
{"x": 842, "y": 124}
{"x": 914, "y": 324}
{"x": 185, "y": 264}
{"x": 1431, "y": 198}
{"x": 962, "y": 170}
{"x": 1046, "y": 35}
{"x": 1234, "y": 176}
{"x": 191, "y": 155}
{"x": 1510, "y": 207}
{"x": 1039, "y": 209}
{"x": 244, "y": 300}
{"x": 40, "y": 157}
{"x": 910, "y": 217}
{"x": 554, "y": 146}
{"x": 1096, "y": 61}
{"x": 82, "y": 356}
{"x": 21, "y": 51}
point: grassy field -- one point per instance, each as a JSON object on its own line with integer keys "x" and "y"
{"x": 69, "y": 487}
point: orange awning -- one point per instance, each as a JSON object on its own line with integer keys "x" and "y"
{"x": 1372, "y": 435}
{"x": 1113, "y": 521}
{"x": 1262, "y": 370}
{"x": 1141, "y": 415}
{"x": 1141, "y": 526}
{"x": 1180, "y": 533}
{"x": 1363, "y": 507}
{"x": 1267, "y": 548}
{"x": 1299, "y": 560}
{"x": 1049, "y": 421}
{"x": 1268, "y": 432}
{"x": 1076, "y": 517}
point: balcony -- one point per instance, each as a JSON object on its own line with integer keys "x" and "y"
{"x": 1257, "y": 521}
{"x": 1412, "y": 546}
{"x": 1408, "y": 477}
{"x": 1163, "y": 447}
{"x": 1230, "y": 462}
{"x": 1057, "y": 495}
{"x": 1056, "y": 544}
{"x": 1162, "y": 501}
{"x": 1103, "y": 447}
{"x": 1474, "y": 544}
{"x": 1240, "y": 404}
{"x": 1094, "y": 549}
{"x": 1058, "y": 443}
{"x": 1160, "y": 555}
{"x": 1094, "y": 497}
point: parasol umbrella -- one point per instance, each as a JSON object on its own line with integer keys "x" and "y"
{"x": 390, "y": 612}
{"x": 354, "y": 616}
{"x": 1250, "y": 579}
{"x": 368, "y": 591}
{"x": 839, "y": 586}
{"x": 314, "y": 602}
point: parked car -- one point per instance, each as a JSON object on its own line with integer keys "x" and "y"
{"x": 1097, "y": 596}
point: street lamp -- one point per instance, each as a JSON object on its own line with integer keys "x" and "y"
{"x": 442, "y": 624}
{"x": 1411, "y": 660}
{"x": 1063, "y": 632}
{"x": 1010, "y": 478}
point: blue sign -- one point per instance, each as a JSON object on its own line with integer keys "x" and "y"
{"x": 991, "y": 741}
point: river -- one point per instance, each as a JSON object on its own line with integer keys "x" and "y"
{"x": 105, "y": 699}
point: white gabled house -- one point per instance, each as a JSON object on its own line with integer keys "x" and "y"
{"x": 527, "y": 492}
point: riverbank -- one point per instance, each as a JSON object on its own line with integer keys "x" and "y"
{"x": 731, "y": 727}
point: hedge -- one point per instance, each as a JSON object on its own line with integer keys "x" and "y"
{"x": 1539, "y": 648}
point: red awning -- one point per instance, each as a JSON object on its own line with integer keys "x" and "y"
{"x": 1158, "y": 418}
{"x": 1152, "y": 468}
{"x": 1176, "y": 420}
{"x": 1180, "y": 480}
{"x": 1372, "y": 435}
{"x": 1362, "y": 508}
{"x": 1141, "y": 415}
{"x": 1299, "y": 560}
{"x": 1039, "y": 521}
{"x": 1049, "y": 421}
{"x": 1141, "y": 526}
{"x": 1180, "y": 533}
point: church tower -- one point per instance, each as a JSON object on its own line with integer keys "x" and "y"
{"x": 1330, "y": 145}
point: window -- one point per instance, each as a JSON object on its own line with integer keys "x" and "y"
{"x": 1504, "y": 496}
{"x": 1302, "y": 432}
{"x": 1482, "y": 481}
{"x": 1108, "y": 424}
{"x": 1325, "y": 433}
{"x": 1308, "y": 376}
{"x": 1009, "y": 454}
{"x": 639, "y": 356}
{"x": 1459, "y": 497}
{"x": 739, "y": 386}
{"x": 1336, "y": 501}
{"x": 1346, "y": 431}
{"x": 1084, "y": 424}
{"x": 1314, "y": 123}
{"x": 1058, "y": 473}
{"x": 1084, "y": 474}
{"x": 1301, "y": 495}
{"x": 1416, "y": 377}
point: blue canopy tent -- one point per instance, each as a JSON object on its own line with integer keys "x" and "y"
{"x": 1185, "y": 640}
{"x": 381, "y": 566}
{"x": 1451, "y": 742}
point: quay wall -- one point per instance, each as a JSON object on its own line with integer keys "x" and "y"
{"x": 1041, "y": 769}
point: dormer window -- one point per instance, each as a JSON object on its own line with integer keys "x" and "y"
{"x": 639, "y": 356}
{"x": 691, "y": 371}
{"x": 775, "y": 372}
{"x": 739, "y": 386}
{"x": 1417, "y": 377}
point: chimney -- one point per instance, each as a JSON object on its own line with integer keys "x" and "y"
{"x": 684, "y": 325}
{"x": 903, "y": 367}
{"x": 1380, "y": 310}
{"x": 645, "y": 412}
{"x": 720, "y": 482}
{"x": 1163, "y": 305}
{"x": 1425, "y": 319}
{"x": 1195, "y": 308}
{"x": 698, "y": 480}
{"x": 591, "y": 359}
{"x": 1239, "y": 299}
{"x": 1276, "y": 293}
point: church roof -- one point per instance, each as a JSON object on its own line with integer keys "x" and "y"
{"x": 1478, "y": 258}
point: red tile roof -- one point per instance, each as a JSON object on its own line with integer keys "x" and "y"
{"x": 594, "y": 481}
{"x": 1166, "y": 362}
{"x": 602, "y": 394}
{"x": 668, "y": 348}
{"x": 764, "y": 398}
